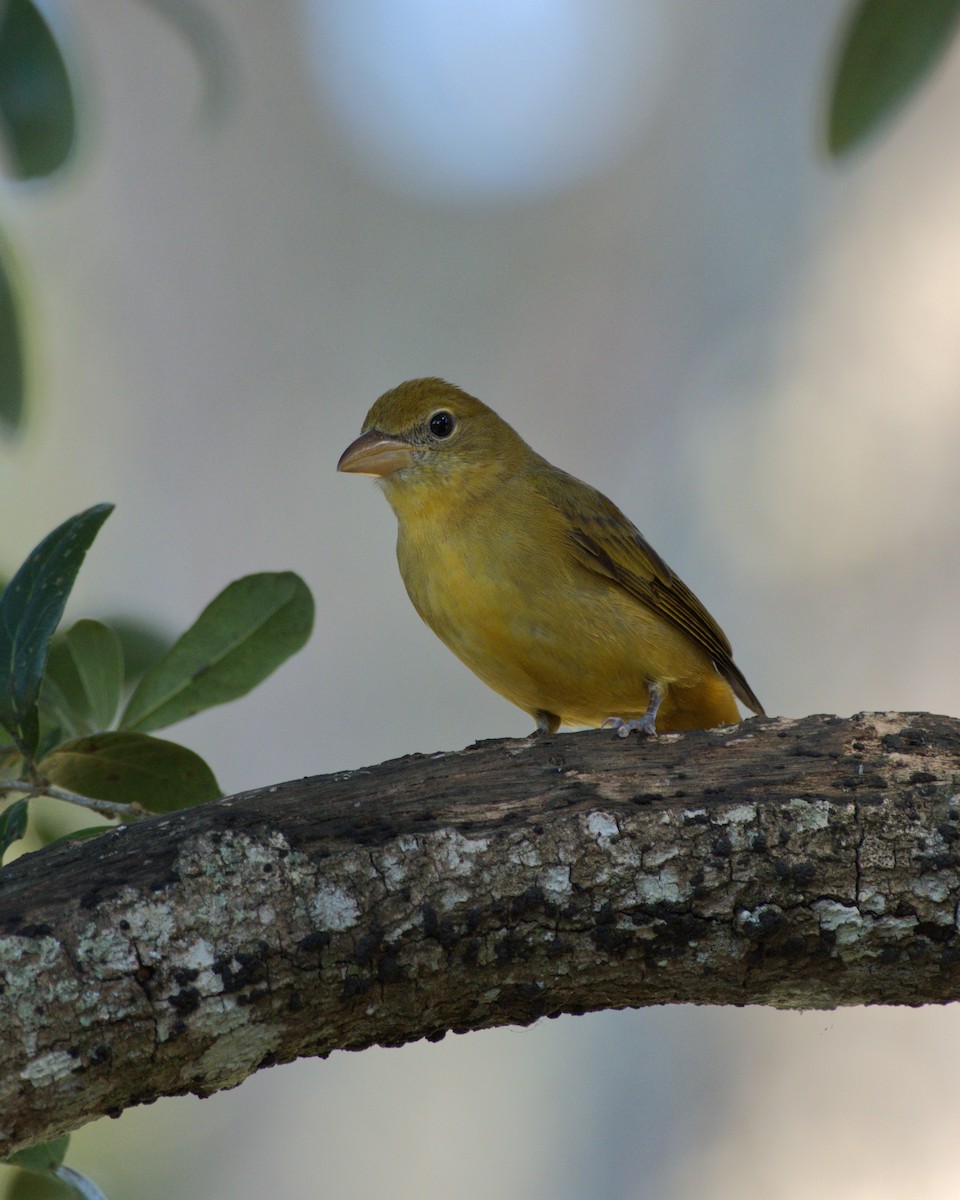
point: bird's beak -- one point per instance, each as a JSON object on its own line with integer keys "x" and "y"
{"x": 376, "y": 453}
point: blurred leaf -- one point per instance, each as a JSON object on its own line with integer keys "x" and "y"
{"x": 141, "y": 643}
{"x": 132, "y": 768}
{"x": 37, "y": 1185}
{"x": 45, "y": 1157}
{"x": 77, "y": 835}
{"x": 81, "y": 1186}
{"x": 36, "y": 102}
{"x": 12, "y": 375}
{"x": 239, "y": 639}
{"x": 63, "y": 702}
{"x": 98, "y": 658}
{"x": 13, "y": 824}
{"x": 202, "y": 33}
{"x": 889, "y": 47}
{"x": 30, "y": 610}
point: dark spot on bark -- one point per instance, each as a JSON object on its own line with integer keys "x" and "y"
{"x": 436, "y": 1036}
{"x": 935, "y": 932}
{"x": 526, "y": 901}
{"x": 679, "y": 793}
{"x": 389, "y": 969}
{"x": 526, "y": 1000}
{"x": 697, "y": 818}
{"x": 643, "y": 798}
{"x": 143, "y": 973}
{"x": 950, "y": 955}
{"x": 758, "y": 843}
{"x": 798, "y": 872}
{"x": 431, "y": 925}
{"x": 34, "y": 931}
{"x": 907, "y": 739}
{"x": 185, "y": 975}
{"x": 722, "y": 847}
{"x": 512, "y": 949}
{"x": 715, "y": 789}
{"x": 314, "y": 941}
{"x": 355, "y": 985}
{"x": 936, "y": 862}
{"x": 889, "y": 954}
{"x": 762, "y": 922}
{"x": 296, "y": 1003}
{"x": 948, "y": 832}
{"x": 923, "y": 777}
{"x": 557, "y": 947}
{"x": 471, "y": 952}
{"x": 610, "y": 940}
{"x": 100, "y": 1054}
{"x": 185, "y": 1001}
{"x": 162, "y": 883}
{"x": 855, "y": 780}
{"x": 368, "y": 945}
{"x": 243, "y": 968}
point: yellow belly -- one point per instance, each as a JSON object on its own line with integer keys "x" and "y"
{"x": 554, "y": 637}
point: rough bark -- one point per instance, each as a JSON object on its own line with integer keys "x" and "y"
{"x": 805, "y": 863}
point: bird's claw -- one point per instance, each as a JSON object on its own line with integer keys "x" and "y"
{"x": 646, "y": 726}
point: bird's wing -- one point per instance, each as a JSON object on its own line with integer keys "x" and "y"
{"x": 605, "y": 541}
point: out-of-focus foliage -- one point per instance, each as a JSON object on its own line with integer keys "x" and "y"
{"x": 37, "y": 111}
{"x": 11, "y": 352}
{"x": 889, "y": 47}
{"x": 57, "y": 709}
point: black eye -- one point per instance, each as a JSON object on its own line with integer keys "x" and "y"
{"x": 442, "y": 424}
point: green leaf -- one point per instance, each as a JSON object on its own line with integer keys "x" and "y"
{"x": 242, "y": 636}
{"x": 98, "y": 658}
{"x": 132, "y": 768}
{"x": 13, "y": 824}
{"x": 36, "y": 101}
{"x": 45, "y": 1157}
{"x": 30, "y": 610}
{"x": 889, "y": 47}
{"x": 12, "y": 370}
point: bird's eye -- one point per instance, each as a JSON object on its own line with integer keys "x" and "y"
{"x": 442, "y": 424}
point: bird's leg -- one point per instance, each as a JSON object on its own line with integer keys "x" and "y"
{"x": 547, "y": 722}
{"x": 647, "y": 724}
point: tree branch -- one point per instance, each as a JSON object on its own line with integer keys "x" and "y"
{"x": 803, "y": 863}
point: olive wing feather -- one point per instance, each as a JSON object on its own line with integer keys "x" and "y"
{"x": 605, "y": 541}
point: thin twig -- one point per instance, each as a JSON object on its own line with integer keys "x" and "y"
{"x": 105, "y": 808}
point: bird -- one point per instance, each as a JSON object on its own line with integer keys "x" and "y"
{"x": 535, "y": 579}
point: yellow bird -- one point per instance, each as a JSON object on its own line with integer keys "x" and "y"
{"x": 537, "y": 581}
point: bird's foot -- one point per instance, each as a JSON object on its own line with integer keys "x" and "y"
{"x": 646, "y": 726}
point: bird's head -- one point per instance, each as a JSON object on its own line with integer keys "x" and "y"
{"x": 427, "y": 431}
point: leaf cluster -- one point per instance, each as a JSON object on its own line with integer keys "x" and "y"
{"x": 75, "y": 730}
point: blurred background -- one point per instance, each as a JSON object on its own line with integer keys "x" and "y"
{"x": 614, "y": 222}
